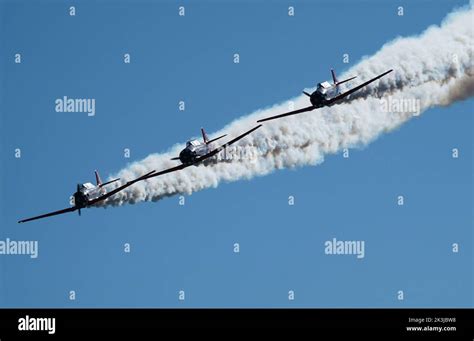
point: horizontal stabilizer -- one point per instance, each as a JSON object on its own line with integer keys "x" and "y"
{"x": 217, "y": 138}
{"x": 351, "y": 91}
{"x": 346, "y": 80}
{"x": 109, "y": 182}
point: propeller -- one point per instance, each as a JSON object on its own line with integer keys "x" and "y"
{"x": 78, "y": 189}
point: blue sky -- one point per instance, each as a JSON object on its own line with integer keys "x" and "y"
{"x": 190, "y": 247}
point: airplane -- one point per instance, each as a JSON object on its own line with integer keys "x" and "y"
{"x": 87, "y": 195}
{"x": 195, "y": 148}
{"x": 326, "y": 95}
{"x": 196, "y": 152}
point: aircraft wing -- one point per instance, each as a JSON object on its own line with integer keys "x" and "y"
{"x": 347, "y": 93}
{"x": 204, "y": 157}
{"x": 294, "y": 112}
{"x": 66, "y": 210}
{"x": 169, "y": 170}
{"x": 118, "y": 189}
{"x": 217, "y": 150}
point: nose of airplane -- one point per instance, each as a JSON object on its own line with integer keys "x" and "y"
{"x": 79, "y": 198}
{"x": 185, "y": 155}
{"x": 316, "y": 98}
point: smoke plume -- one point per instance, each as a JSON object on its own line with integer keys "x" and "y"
{"x": 432, "y": 69}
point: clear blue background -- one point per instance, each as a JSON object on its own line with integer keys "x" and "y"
{"x": 191, "y": 247}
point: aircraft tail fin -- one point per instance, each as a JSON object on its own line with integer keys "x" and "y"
{"x": 204, "y": 136}
{"x": 334, "y": 78}
{"x": 97, "y": 178}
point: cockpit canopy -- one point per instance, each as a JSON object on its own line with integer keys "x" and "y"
{"x": 323, "y": 87}
{"x": 88, "y": 185}
{"x": 193, "y": 143}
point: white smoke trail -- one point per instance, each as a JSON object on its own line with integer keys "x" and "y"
{"x": 434, "y": 68}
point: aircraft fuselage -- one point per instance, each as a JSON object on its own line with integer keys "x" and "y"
{"x": 194, "y": 149}
{"x": 323, "y": 94}
{"x": 86, "y": 193}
